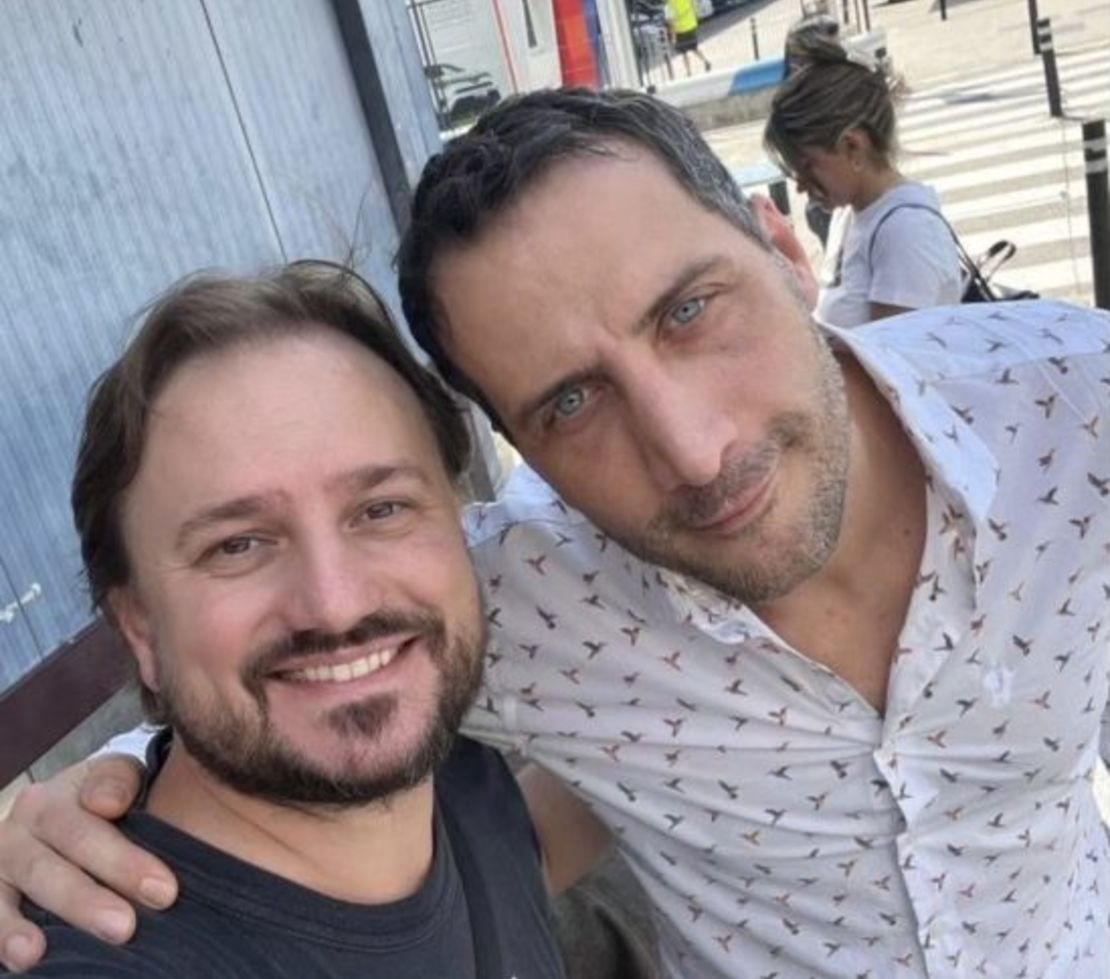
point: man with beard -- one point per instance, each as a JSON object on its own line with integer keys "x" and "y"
{"x": 266, "y": 495}
{"x": 812, "y": 619}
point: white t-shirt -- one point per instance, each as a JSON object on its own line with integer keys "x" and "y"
{"x": 913, "y": 263}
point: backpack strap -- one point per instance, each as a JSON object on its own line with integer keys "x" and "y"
{"x": 974, "y": 281}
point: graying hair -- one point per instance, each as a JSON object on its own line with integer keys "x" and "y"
{"x": 485, "y": 171}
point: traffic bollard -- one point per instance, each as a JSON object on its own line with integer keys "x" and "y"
{"x": 1098, "y": 207}
{"x": 1051, "y": 76}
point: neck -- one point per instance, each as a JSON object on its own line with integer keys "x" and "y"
{"x": 850, "y": 613}
{"x": 874, "y": 183}
{"x": 884, "y": 516}
{"x": 883, "y": 526}
{"x": 369, "y": 854}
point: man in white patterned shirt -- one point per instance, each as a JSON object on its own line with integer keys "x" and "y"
{"x": 817, "y": 622}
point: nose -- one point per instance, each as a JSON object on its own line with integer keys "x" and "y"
{"x": 331, "y": 584}
{"x": 681, "y": 434}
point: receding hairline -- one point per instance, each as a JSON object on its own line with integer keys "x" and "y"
{"x": 289, "y": 331}
{"x": 311, "y": 333}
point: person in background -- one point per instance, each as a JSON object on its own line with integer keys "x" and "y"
{"x": 795, "y": 56}
{"x": 683, "y": 21}
{"x": 832, "y": 126}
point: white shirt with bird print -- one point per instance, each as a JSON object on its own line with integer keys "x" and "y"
{"x": 784, "y": 828}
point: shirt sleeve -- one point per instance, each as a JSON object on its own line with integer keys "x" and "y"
{"x": 914, "y": 261}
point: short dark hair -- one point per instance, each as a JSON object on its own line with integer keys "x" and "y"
{"x": 486, "y": 170}
{"x": 205, "y": 314}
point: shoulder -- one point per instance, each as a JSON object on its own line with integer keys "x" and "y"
{"x": 907, "y": 208}
{"x": 72, "y": 954}
{"x": 529, "y": 522}
{"x": 988, "y": 339}
{"x": 476, "y": 779}
{"x": 482, "y": 798}
{"x": 525, "y": 499}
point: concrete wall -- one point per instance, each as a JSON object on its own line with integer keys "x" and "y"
{"x": 143, "y": 140}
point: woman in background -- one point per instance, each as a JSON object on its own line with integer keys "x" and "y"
{"x": 890, "y": 250}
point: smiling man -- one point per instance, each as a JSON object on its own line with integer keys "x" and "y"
{"x": 814, "y": 621}
{"x": 267, "y": 503}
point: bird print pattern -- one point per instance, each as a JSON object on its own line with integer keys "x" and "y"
{"x": 784, "y": 828}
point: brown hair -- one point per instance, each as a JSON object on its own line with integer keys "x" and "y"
{"x": 205, "y": 314}
{"x": 834, "y": 91}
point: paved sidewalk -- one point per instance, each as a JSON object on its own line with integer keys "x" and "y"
{"x": 981, "y": 34}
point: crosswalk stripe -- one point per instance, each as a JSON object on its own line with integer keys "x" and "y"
{"x": 1004, "y": 169}
{"x": 1031, "y": 147}
{"x": 1031, "y": 107}
{"x": 981, "y": 150}
{"x": 1093, "y": 54}
{"x": 1070, "y": 66}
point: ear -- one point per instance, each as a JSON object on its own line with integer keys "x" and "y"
{"x": 131, "y": 618}
{"x": 855, "y": 144}
{"x": 780, "y": 232}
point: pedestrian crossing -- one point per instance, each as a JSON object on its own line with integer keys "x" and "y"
{"x": 1003, "y": 167}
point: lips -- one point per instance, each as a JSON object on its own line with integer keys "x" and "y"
{"x": 738, "y": 510}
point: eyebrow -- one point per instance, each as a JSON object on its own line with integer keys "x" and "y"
{"x": 245, "y": 507}
{"x": 241, "y": 508}
{"x": 687, "y": 275}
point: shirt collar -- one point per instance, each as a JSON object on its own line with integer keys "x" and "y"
{"x": 960, "y": 465}
{"x": 958, "y": 461}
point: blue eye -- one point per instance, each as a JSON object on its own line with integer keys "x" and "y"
{"x": 570, "y": 402}
{"x": 383, "y": 510}
{"x": 688, "y": 311}
{"x": 236, "y": 545}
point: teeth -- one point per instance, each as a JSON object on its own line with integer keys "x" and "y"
{"x": 343, "y": 672}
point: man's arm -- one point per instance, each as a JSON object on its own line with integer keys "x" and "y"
{"x": 57, "y": 839}
{"x": 572, "y": 839}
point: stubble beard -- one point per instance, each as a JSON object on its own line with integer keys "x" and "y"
{"x": 243, "y": 749}
{"x": 784, "y": 556}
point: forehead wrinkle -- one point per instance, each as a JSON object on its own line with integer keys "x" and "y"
{"x": 371, "y": 476}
